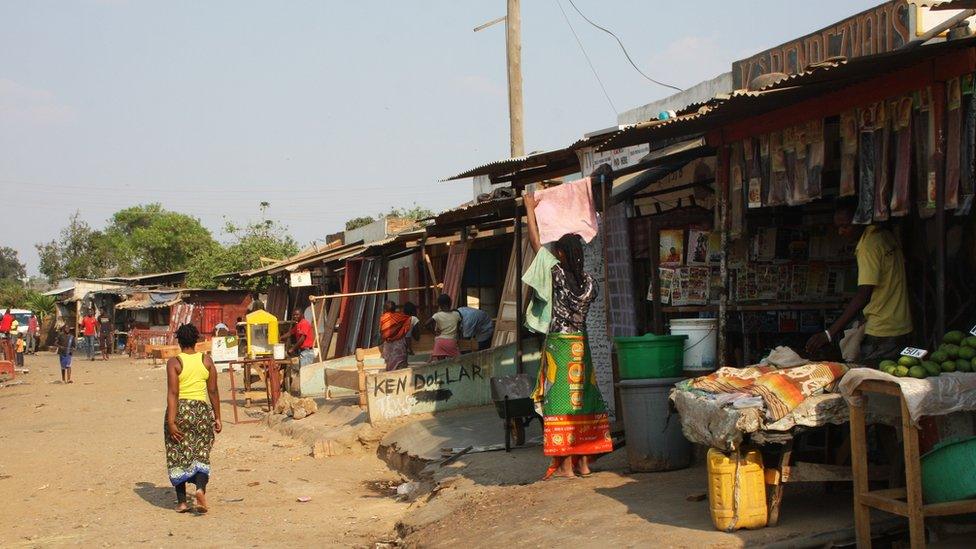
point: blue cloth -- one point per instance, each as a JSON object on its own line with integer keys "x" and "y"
{"x": 65, "y": 361}
{"x": 476, "y": 324}
{"x": 538, "y": 315}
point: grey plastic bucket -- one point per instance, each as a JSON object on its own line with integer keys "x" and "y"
{"x": 654, "y": 438}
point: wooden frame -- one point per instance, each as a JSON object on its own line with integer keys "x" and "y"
{"x": 906, "y": 502}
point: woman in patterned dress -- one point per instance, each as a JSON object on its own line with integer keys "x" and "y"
{"x": 575, "y": 419}
{"x": 192, "y": 418}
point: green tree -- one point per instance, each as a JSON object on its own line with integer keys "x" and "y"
{"x": 78, "y": 252}
{"x": 10, "y": 266}
{"x": 148, "y": 238}
{"x": 248, "y": 244}
{"x": 414, "y": 212}
{"x": 12, "y": 294}
{"x": 358, "y": 222}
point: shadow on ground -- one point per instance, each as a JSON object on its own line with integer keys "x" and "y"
{"x": 160, "y": 496}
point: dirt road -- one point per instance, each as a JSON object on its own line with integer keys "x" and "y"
{"x": 83, "y": 464}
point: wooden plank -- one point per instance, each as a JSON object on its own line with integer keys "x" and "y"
{"x": 913, "y": 479}
{"x": 950, "y": 508}
{"x": 776, "y": 494}
{"x": 457, "y": 256}
{"x": 507, "y": 313}
{"x": 859, "y": 466}
{"x": 346, "y": 379}
{"x": 316, "y": 314}
{"x": 878, "y": 386}
{"x": 890, "y": 505}
{"x": 330, "y": 325}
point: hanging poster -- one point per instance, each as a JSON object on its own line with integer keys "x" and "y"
{"x": 698, "y": 252}
{"x": 798, "y": 282}
{"x": 882, "y": 184}
{"x": 967, "y": 155}
{"x": 777, "y": 171}
{"x": 866, "y": 162}
{"x": 672, "y": 245}
{"x": 954, "y": 119}
{"x": 666, "y": 280}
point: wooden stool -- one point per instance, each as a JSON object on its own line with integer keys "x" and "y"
{"x": 906, "y": 502}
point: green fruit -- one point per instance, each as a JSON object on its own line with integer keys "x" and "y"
{"x": 883, "y": 363}
{"x": 932, "y": 368}
{"x": 949, "y": 366}
{"x": 888, "y": 369}
{"x": 902, "y": 371}
{"x": 955, "y": 336}
{"x": 908, "y": 361}
{"x": 970, "y": 342}
{"x": 917, "y": 372}
{"x": 963, "y": 363}
{"x": 939, "y": 356}
{"x": 967, "y": 352}
{"x": 968, "y": 368}
{"x": 950, "y": 349}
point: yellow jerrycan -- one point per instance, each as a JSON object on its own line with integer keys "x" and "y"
{"x": 736, "y": 490}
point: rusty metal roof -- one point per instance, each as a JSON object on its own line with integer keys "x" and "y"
{"x": 815, "y": 80}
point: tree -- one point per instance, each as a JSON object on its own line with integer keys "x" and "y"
{"x": 249, "y": 244}
{"x": 78, "y": 252}
{"x": 415, "y": 213}
{"x": 10, "y": 266}
{"x": 150, "y": 239}
{"x": 358, "y": 222}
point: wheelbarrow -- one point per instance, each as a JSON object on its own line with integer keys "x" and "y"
{"x": 513, "y": 401}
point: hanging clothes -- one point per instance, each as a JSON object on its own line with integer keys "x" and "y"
{"x": 777, "y": 171}
{"x": 764, "y": 168}
{"x": 736, "y": 174}
{"x": 924, "y": 136}
{"x": 867, "y": 166}
{"x": 967, "y": 153}
{"x": 848, "y": 153}
{"x": 882, "y": 181}
{"x": 566, "y": 209}
{"x": 815, "y": 159}
{"x": 901, "y": 120}
{"x": 753, "y": 173}
{"x": 789, "y": 161}
{"x": 954, "y": 115}
{"x": 801, "y": 140}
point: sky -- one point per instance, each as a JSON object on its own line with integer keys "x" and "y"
{"x": 328, "y": 110}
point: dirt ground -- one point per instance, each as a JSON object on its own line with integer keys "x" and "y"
{"x": 83, "y": 464}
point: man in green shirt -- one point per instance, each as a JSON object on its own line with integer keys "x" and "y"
{"x": 882, "y": 295}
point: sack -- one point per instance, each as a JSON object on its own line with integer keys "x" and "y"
{"x": 850, "y": 344}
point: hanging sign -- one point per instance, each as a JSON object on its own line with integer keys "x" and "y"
{"x": 300, "y": 279}
{"x": 973, "y": 331}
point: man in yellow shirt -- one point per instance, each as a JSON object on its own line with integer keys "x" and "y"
{"x": 882, "y": 296}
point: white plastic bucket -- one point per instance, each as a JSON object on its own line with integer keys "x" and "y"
{"x": 279, "y": 351}
{"x": 700, "y": 347}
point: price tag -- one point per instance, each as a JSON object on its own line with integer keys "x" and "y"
{"x": 973, "y": 331}
{"x": 914, "y": 353}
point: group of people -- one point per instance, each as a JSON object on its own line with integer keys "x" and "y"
{"x": 21, "y": 342}
{"x": 398, "y": 328}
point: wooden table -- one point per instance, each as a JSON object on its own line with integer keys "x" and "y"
{"x": 906, "y": 502}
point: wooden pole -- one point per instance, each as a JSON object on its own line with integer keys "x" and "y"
{"x": 723, "y": 186}
{"x": 513, "y": 48}
{"x": 519, "y": 306}
{"x": 939, "y": 119}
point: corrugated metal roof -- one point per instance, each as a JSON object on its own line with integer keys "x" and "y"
{"x": 558, "y": 160}
{"x": 816, "y": 80}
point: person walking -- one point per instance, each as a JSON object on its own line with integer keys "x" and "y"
{"x": 89, "y": 329}
{"x": 21, "y": 347}
{"x": 66, "y": 348}
{"x": 32, "y": 332}
{"x": 105, "y": 334}
{"x": 575, "y": 419}
{"x": 192, "y": 419}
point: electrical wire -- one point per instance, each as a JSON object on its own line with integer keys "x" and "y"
{"x": 585, "y": 55}
{"x": 608, "y": 31}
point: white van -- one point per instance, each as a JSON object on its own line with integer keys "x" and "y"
{"x": 22, "y": 316}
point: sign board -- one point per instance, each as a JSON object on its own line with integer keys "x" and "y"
{"x": 590, "y": 159}
{"x": 300, "y": 279}
{"x": 877, "y": 30}
{"x": 914, "y": 353}
{"x": 224, "y": 349}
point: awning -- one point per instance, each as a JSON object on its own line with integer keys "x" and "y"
{"x": 149, "y": 301}
{"x": 818, "y": 79}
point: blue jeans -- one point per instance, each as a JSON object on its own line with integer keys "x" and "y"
{"x": 307, "y": 356}
{"x": 90, "y": 346}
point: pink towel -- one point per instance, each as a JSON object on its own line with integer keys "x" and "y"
{"x": 565, "y": 209}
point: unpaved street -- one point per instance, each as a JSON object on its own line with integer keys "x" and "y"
{"x": 83, "y": 464}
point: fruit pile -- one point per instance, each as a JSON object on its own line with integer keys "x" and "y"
{"x": 957, "y": 353}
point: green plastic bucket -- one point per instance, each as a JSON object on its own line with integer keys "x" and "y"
{"x": 650, "y": 356}
{"x": 949, "y": 471}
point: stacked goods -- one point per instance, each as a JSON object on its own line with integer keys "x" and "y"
{"x": 957, "y": 353}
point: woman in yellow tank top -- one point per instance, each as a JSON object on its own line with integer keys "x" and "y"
{"x": 192, "y": 418}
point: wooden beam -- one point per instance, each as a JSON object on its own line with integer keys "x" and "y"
{"x": 374, "y": 292}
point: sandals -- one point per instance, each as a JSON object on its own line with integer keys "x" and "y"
{"x": 576, "y": 468}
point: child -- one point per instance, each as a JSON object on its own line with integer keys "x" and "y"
{"x": 445, "y": 324}
{"x": 21, "y": 347}
{"x": 66, "y": 347}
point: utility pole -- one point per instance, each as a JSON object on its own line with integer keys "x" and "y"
{"x": 513, "y": 47}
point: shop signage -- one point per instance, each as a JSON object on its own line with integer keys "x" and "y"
{"x": 300, "y": 279}
{"x": 914, "y": 353}
{"x": 880, "y": 29}
{"x": 973, "y": 331}
{"x": 618, "y": 159}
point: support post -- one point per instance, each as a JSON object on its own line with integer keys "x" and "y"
{"x": 519, "y": 306}
{"x": 722, "y": 178}
{"x": 513, "y": 50}
{"x": 939, "y": 117}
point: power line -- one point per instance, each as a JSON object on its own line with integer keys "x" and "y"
{"x": 622, "y": 48}
{"x": 588, "y": 61}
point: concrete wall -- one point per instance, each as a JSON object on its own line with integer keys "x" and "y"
{"x": 698, "y": 93}
{"x": 378, "y": 230}
{"x": 444, "y": 385}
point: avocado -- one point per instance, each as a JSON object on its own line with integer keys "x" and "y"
{"x": 950, "y": 349}
{"x": 955, "y": 337}
{"x": 883, "y": 363}
{"x": 968, "y": 368}
{"x": 963, "y": 363}
{"x": 939, "y": 356}
{"x": 970, "y": 342}
{"x": 908, "y": 361}
{"x": 949, "y": 366}
{"x": 967, "y": 352}
{"x": 902, "y": 371}
{"x": 932, "y": 368}
{"x": 917, "y": 372}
